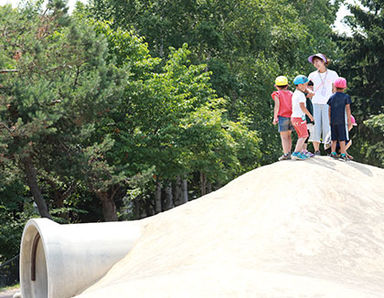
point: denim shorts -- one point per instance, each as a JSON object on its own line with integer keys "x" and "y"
{"x": 285, "y": 124}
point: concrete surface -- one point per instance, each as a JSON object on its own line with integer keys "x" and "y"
{"x": 69, "y": 258}
{"x": 310, "y": 228}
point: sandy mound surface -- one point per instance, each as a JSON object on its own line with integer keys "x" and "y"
{"x": 310, "y": 228}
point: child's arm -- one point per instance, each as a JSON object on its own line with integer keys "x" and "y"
{"x": 310, "y": 93}
{"x": 276, "y": 110}
{"x": 348, "y": 109}
{"x": 305, "y": 110}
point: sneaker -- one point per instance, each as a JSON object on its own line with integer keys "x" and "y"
{"x": 334, "y": 155}
{"x": 317, "y": 153}
{"x": 285, "y": 157}
{"x": 308, "y": 154}
{"x": 344, "y": 157}
{"x": 298, "y": 156}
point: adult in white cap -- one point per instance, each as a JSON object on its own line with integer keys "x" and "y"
{"x": 323, "y": 87}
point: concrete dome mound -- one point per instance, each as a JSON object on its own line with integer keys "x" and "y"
{"x": 310, "y": 228}
{"x": 290, "y": 229}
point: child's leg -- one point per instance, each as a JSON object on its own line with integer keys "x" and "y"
{"x": 302, "y": 133}
{"x": 333, "y": 146}
{"x": 348, "y": 145}
{"x": 285, "y": 129}
{"x": 299, "y": 144}
{"x": 286, "y": 141}
{"x": 342, "y": 147}
{"x": 289, "y": 141}
{"x": 306, "y": 142}
{"x": 334, "y": 140}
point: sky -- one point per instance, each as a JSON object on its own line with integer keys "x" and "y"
{"x": 71, "y": 3}
{"x": 339, "y": 26}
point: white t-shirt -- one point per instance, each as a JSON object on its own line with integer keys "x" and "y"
{"x": 297, "y": 98}
{"x": 322, "y": 85}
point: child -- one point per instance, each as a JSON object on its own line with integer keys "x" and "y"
{"x": 282, "y": 114}
{"x": 339, "y": 105}
{"x": 310, "y": 124}
{"x": 323, "y": 79}
{"x": 299, "y": 111}
{"x": 348, "y": 142}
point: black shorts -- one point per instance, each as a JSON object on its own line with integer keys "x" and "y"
{"x": 338, "y": 132}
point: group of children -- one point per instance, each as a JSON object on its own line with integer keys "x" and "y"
{"x": 318, "y": 110}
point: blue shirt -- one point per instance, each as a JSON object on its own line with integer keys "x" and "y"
{"x": 337, "y": 102}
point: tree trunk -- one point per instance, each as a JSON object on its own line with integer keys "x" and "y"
{"x": 30, "y": 173}
{"x": 178, "y": 192}
{"x": 209, "y": 187}
{"x": 203, "y": 184}
{"x": 108, "y": 206}
{"x": 168, "y": 197}
{"x": 184, "y": 190}
{"x": 161, "y": 52}
{"x": 143, "y": 210}
{"x": 136, "y": 209}
{"x": 158, "y": 207}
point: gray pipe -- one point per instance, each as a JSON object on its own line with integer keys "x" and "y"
{"x": 60, "y": 261}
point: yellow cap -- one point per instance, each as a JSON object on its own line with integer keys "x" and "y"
{"x": 281, "y": 81}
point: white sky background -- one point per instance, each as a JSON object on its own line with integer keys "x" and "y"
{"x": 71, "y": 3}
{"x": 339, "y": 26}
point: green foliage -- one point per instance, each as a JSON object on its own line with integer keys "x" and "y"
{"x": 15, "y": 209}
{"x": 245, "y": 44}
{"x": 362, "y": 63}
{"x": 52, "y": 105}
{"x": 90, "y": 108}
{"x": 373, "y": 143}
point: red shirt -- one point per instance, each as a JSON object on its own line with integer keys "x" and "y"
{"x": 285, "y": 100}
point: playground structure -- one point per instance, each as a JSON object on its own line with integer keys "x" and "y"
{"x": 290, "y": 229}
{"x": 60, "y": 261}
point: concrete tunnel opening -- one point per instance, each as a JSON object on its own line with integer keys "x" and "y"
{"x": 33, "y": 276}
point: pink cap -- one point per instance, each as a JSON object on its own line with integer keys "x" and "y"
{"x": 341, "y": 83}
{"x": 353, "y": 120}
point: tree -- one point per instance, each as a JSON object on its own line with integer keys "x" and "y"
{"x": 15, "y": 208}
{"x": 362, "y": 62}
{"x": 245, "y": 44}
{"x": 50, "y": 106}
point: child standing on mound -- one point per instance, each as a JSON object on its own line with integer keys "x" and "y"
{"x": 309, "y": 94}
{"x": 339, "y": 105}
{"x": 299, "y": 111}
{"x": 282, "y": 114}
{"x": 348, "y": 142}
